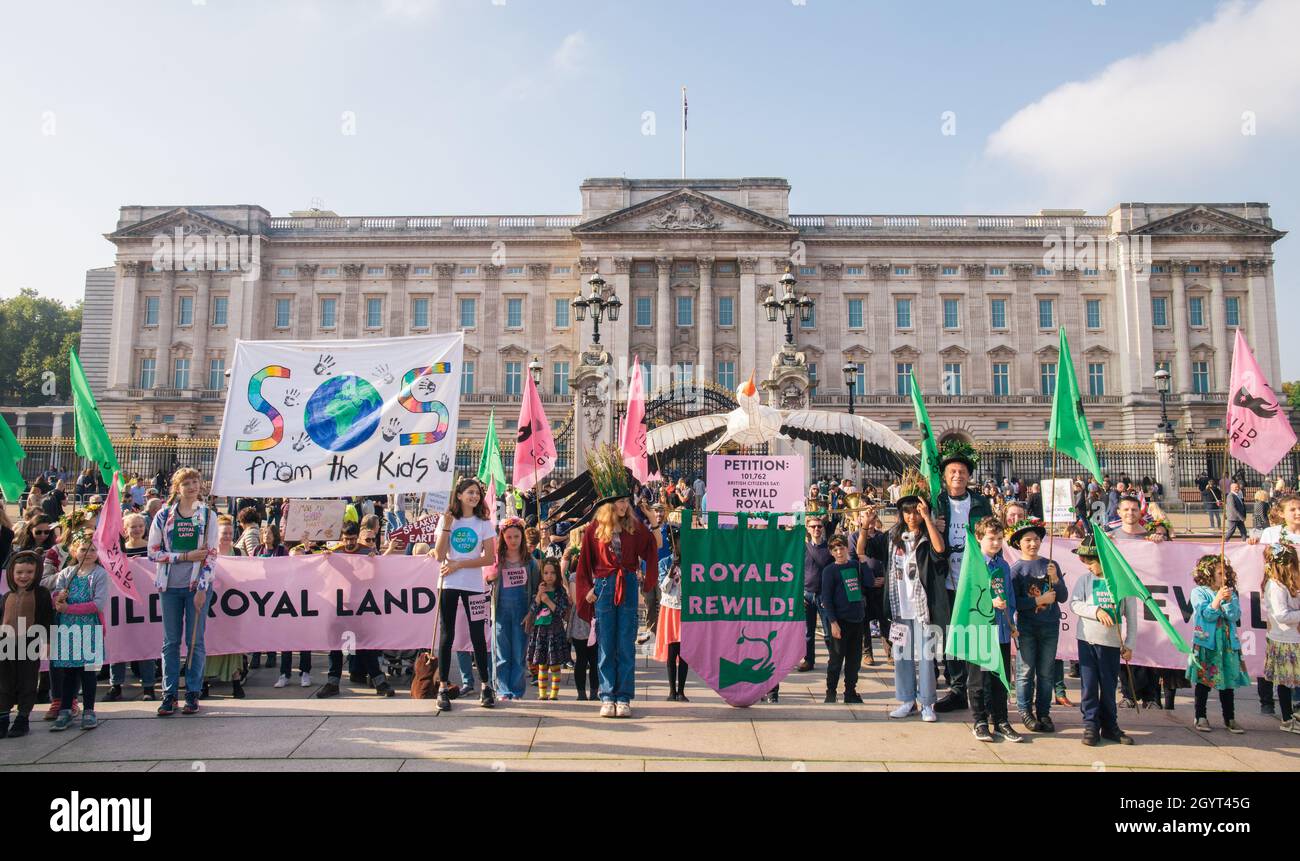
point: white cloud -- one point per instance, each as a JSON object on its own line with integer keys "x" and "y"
{"x": 571, "y": 54}
{"x": 1176, "y": 108}
{"x": 409, "y": 9}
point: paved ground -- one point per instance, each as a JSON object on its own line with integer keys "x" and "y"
{"x": 275, "y": 730}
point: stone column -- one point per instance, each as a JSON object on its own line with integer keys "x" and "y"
{"x": 443, "y": 315}
{"x": 592, "y": 386}
{"x": 125, "y": 299}
{"x": 748, "y": 322}
{"x": 1259, "y": 317}
{"x": 663, "y": 322}
{"x": 1218, "y": 326}
{"x": 705, "y": 322}
{"x": 831, "y": 321}
{"x": 489, "y": 323}
{"x": 1166, "y": 446}
{"x": 1183, "y": 352}
{"x": 1025, "y": 326}
{"x": 928, "y": 325}
{"x": 620, "y": 330}
{"x": 880, "y": 325}
{"x": 306, "y": 300}
{"x": 397, "y": 299}
{"x": 539, "y": 313}
{"x": 1273, "y": 365}
{"x": 202, "y": 325}
{"x": 350, "y": 324}
{"x": 166, "y": 322}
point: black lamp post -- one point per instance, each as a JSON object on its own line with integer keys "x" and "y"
{"x": 1162, "y": 386}
{"x": 599, "y": 304}
{"x": 535, "y": 368}
{"x": 788, "y": 305}
{"x": 850, "y": 380}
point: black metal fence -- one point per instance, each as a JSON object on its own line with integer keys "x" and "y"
{"x": 141, "y": 458}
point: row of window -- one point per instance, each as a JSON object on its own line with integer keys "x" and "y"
{"x": 1195, "y": 311}
{"x": 418, "y": 271}
{"x": 1193, "y": 269}
{"x": 181, "y": 373}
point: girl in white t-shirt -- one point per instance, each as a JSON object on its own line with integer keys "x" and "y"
{"x": 466, "y": 545}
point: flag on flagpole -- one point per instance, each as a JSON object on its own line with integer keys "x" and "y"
{"x": 973, "y": 634}
{"x": 632, "y": 435}
{"x": 1069, "y": 432}
{"x": 1259, "y": 429}
{"x": 91, "y": 438}
{"x": 929, "y": 448}
{"x": 108, "y": 547}
{"x": 535, "y": 453}
{"x": 1124, "y": 583}
{"x": 11, "y": 454}
{"x": 490, "y": 470}
{"x": 686, "y": 109}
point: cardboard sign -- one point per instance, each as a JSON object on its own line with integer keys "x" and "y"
{"x": 1058, "y": 501}
{"x": 314, "y": 520}
{"x": 423, "y": 529}
{"x": 516, "y": 577}
{"x": 755, "y": 484}
{"x": 478, "y": 608}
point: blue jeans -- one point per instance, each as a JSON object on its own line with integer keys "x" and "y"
{"x": 148, "y": 673}
{"x": 180, "y": 617}
{"x": 1037, "y": 671}
{"x": 616, "y": 638}
{"x": 1098, "y": 673}
{"x": 286, "y": 662}
{"x": 465, "y": 661}
{"x": 912, "y": 661}
{"x": 511, "y": 641}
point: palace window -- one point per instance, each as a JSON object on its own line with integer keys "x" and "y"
{"x": 1201, "y": 377}
{"x": 374, "y": 312}
{"x": 1194, "y": 269}
{"x": 559, "y": 378}
{"x": 220, "y": 310}
{"x": 860, "y": 378}
{"x": 644, "y": 268}
{"x": 1001, "y": 379}
{"x": 685, "y": 310}
{"x": 726, "y": 268}
{"x": 1047, "y": 378}
{"x": 1046, "y": 317}
{"x": 726, "y": 375}
{"x": 952, "y": 378}
{"x": 1096, "y": 379}
{"x": 1232, "y": 311}
{"x": 420, "y": 313}
{"x": 328, "y": 312}
{"x": 148, "y": 372}
{"x": 514, "y": 270}
{"x": 950, "y": 309}
{"x": 151, "y": 311}
{"x": 1196, "y": 311}
{"x": 997, "y": 270}
{"x": 854, "y": 270}
{"x": 1092, "y": 308}
{"x": 514, "y": 313}
{"x": 998, "y": 313}
{"x": 903, "y": 313}
{"x": 374, "y": 270}
{"x": 1004, "y": 426}
{"x": 1090, "y": 271}
{"x": 902, "y": 270}
{"x": 1228, "y": 270}
{"x": 285, "y": 271}
{"x": 643, "y": 311}
{"x": 185, "y": 315}
{"x": 216, "y": 374}
{"x": 562, "y": 270}
{"x": 282, "y": 309}
{"x": 811, "y": 322}
{"x": 514, "y": 378}
{"x": 807, "y": 270}
{"x": 726, "y": 311}
{"x": 903, "y": 379}
{"x": 422, "y": 270}
{"x": 855, "y": 314}
{"x": 181, "y": 374}
{"x": 329, "y": 270}
{"x": 949, "y": 270}
{"x": 467, "y": 378}
{"x": 1157, "y": 270}
{"x": 469, "y": 270}
{"x": 562, "y": 313}
{"x": 468, "y": 313}
{"x": 1042, "y": 270}
{"x": 1160, "y": 312}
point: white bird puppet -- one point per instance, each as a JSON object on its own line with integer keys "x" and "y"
{"x": 753, "y": 424}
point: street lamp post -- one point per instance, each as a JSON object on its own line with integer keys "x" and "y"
{"x": 788, "y": 306}
{"x": 598, "y": 303}
{"x": 1162, "y": 386}
{"x": 535, "y": 368}
{"x": 850, "y": 380}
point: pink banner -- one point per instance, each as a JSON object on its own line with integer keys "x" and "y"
{"x": 108, "y": 545}
{"x": 535, "y": 452}
{"x": 1165, "y": 568}
{"x": 1261, "y": 433}
{"x": 755, "y": 483}
{"x": 632, "y": 436}
{"x": 299, "y": 603}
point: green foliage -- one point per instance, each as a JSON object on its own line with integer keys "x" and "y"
{"x": 36, "y": 335}
{"x": 1291, "y": 391}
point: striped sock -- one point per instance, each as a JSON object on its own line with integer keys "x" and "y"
{"x": 555, "y": 681}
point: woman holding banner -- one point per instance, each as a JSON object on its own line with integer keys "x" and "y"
{"x": 613, "y": 548}
{"x": 182, "y": 541}
{"x": 466, "y": 545}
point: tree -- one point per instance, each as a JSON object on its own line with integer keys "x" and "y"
{"x": 36, "y": 335}
{"x": 1291, "y": 391}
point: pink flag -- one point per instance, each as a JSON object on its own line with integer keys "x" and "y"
{"x": 534, "y": 446}
{"x": 492, "y": 500}
{"x": 632, "y": 437}
{"x": 108, "y": 546}
{"x": 1260, "y": 430}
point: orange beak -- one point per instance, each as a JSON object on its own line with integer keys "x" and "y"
{"x": 748, "y": 388}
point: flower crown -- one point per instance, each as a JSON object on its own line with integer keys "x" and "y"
{"x": 1026, "y": 523}
{"x": 1281, "y": 552}
{"x": 959, "y": 449}
{"x": 516, "y": 522}
{"x": 1152, "y": 525}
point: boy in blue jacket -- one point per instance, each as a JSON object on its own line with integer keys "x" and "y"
{"x": 843, "y": 600}
{"x": 988, "y": 696}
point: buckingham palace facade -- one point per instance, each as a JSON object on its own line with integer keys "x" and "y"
{"x": 972, "y": 303}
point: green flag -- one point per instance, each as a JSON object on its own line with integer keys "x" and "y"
{"x": 1069, "y": 432}
{"x": 11, "y": 453}
{"x": 973, "y": 634}
{"x": 92, "y": 438}
{"x": 489, "y": 466}
{"x": 929, "y": 448}
{"x": 1124, "y": 583}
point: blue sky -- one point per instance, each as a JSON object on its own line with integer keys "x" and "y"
{"x": 474, "y": 107}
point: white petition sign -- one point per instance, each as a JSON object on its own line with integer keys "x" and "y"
{"x": 1058, "y": 501}
{"x": 341, "y": 418}
{"x": 314, "y": 519}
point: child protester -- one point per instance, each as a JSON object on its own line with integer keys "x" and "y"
{"x": 548, "y": 646}
{"x": 80, "y": 594}
{"x": 843, "y": 600}
{"x": 988, "y": 696}
{"x": 27, "y": 610}
{"x": 668, "y": 633}
{"x": 1216, "y": 649}
{"x": 1100, "y": 647}
{"x": 1039, "y": 592}
{"x": 516, "y": 580}
{"x": 915, "y": 600}
{"x": 1282, "y": 643}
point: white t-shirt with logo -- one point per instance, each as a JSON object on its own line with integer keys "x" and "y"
{"x": 958, "y": 517}
{"x": 466, "y": 542}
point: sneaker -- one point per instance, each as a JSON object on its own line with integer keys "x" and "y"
{"x": 237, "y": 689}
{"x": 148, "y": 695}
{"x": 1233, "y": 727}
{"x": 304, "y": 681}
{"x": 281, "y": 682}
{"x": 1008, "y": 732}
{"x": 1266, "y": 709}
{"x": 89, "y": 721}
{"x": 905, "y": 710}
{"x": 76, "y": 710}
{"x": 951, "y": 703}
{"x": 358, "y": 678}
{"x": 168, "y": 706}
{"x": 487, "y": 698}
{"x": 1090, "y": 736}
{"x": 20, "y": 728}
{"x": 1127, "y": 703}
{"x": 1287, "y": 725}
{"x": 114, "y": 694}
{"x": 444, "y": 699}
{"x": 607, "y": 708}
{"x": 1295, "y": 726}
{"x": 1030, "y": 722}
{"x": 555, "y": 695}
{"x": 1045, "y": 724}
{"x": 681, "y": 697}
{"x": 327, "y": 690}
{"x": 191, "y": 704}
{"x": 52, "y": 712}
{"x": 62, "y": 722}
{"x": 805, "y": 666}
{"x": 1203, "y": 725}
{"x": 852, "y": 698}
{"x": 928, "y": 715}
{"x": 643, "y": 638}
{"x": 256, "y": 663}
{"x": 982, "y": 733}
{"x": 384, "y": 689}
{"x": 623, "y": 710}
{"x": 830, "y": 697}
{"x": 1117, "y": 735}
{"x": 672, "y": 697}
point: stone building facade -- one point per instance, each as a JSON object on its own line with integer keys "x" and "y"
{"x": 971, "y": 303}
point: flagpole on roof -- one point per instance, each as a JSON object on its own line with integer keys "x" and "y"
{"x": 684, "y": 109}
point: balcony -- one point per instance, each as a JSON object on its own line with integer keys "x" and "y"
{"x": 1035, "y": 226}
{"x": 168, "y": 394}
{"x": 421, "y": 225}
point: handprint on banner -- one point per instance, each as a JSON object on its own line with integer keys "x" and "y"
{"x": 251, "y": 427}
{"x": 381, "y": 372}
{"x": 426, "y": 386}
{"x": 413, "y": 404}
{"x": 325, "y": 366}
{"x": 301, "y": 441}
{"x": 443, "y": 462}
{"x": 392, "y": 428}
{"x": 291, "y": 397}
